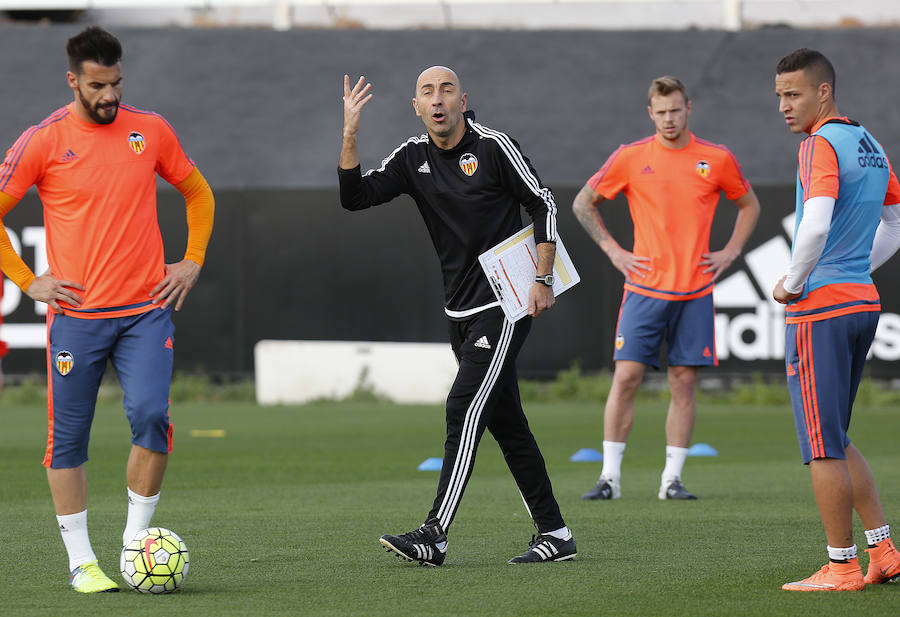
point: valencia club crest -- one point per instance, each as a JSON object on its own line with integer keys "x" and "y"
{"x": 468, "y": 163}
{"x": 136, "y": 141}
{"x": 64, "y": 362}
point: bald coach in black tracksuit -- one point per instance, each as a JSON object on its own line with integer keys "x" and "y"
{"x": 469, "y": 183}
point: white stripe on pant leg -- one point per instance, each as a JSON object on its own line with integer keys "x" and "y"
{"x": 469, "y": 433}
{"x": 470, "y": 426}
{"x": 527, "y": 509}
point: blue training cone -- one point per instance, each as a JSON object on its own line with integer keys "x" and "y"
{"x": 702, "y": 449}
{"x": 586, "y": 455}
{"x": 431, "y": 464}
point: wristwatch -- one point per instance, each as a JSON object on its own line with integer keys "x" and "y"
{"x": 546, "y": 279}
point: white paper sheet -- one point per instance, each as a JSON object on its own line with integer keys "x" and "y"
{"x": 512, "y": 265}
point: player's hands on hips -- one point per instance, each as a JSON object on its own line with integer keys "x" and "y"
{"x": 355, "y": 99}
{"x": 629, "y": 264}
{"x": 717, "y": 262}
{"x": 540, "y": 298}
{"x": 782, "y": 295}
{"x": 180, "y": 278}
{"x": 47, "y": 288}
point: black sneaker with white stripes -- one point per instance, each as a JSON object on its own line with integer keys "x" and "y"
{"x": 547, "y": 548}
{"x": 419, "y": 544}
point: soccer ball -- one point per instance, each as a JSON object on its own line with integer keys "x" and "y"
{"x": 155, "y": 561}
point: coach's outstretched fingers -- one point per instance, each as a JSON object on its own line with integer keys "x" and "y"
{"x": 354, "y": 100}
{"x": 180, "y": 278}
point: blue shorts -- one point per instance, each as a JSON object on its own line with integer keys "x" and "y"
{"x": 141, "y": 350}
{"x": 824, "y": 362}
{"x": 688, "y": 327}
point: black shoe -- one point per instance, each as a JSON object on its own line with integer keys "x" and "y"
{"x": 419, "y": 544}
{"x": 675, "y": 490}
{"x": 547, "y": 548}
{"x": 604, "y": 489}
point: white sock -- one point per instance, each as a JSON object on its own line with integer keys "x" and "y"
{"x": 562, "y": 533}
{"x": 675, "y": 458}
{"x": 613, "y": 451}
{"x": 74, "y": 532}
{"x": 140, "y": 511}
{"x": 842, "y": 554}
{"x": 874, "y": 536}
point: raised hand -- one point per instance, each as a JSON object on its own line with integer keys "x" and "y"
{"x": 354, "y": 100}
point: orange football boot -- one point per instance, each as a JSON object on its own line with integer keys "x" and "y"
{"x": 832, "y": 577}
{"x": 884, "y": 563}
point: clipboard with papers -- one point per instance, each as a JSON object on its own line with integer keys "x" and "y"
{"x": 511, "y": 266}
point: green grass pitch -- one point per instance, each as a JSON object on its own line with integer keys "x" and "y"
{"x": 282, "y": 517}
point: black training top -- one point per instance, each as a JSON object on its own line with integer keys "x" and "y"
{"x": 469, "y": 197}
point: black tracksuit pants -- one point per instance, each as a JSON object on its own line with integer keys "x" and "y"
{"x": 485, "y": 394}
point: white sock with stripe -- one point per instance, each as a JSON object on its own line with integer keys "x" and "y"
{"x": 880, "y": 534}
{"x": 140, "y": 511}
{"x": 74, "y": 532}
{"x": 613, "y": 452}
{"x": 842, "y": 554}
{"x": 675, "y": 458}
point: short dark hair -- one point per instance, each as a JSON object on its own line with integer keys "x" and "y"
{"x": 94, "y": 44}
{"x": 813, "y": 62}
{"x": 664, "y": 86}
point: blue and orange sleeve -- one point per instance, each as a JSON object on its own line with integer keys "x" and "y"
{"x": 892, "y": 196}
{"x": 733, "y": 182}
{"x": 612, "y": 178}
{"x": 173, "y": 164}
{"x": 22, "y": 167}
{"x": 819, "y": 174}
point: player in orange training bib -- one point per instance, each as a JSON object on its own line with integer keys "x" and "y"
{"x": 847, "y": 224}
{"x": 672, "y": 182}
{"x": 109, "y": 292}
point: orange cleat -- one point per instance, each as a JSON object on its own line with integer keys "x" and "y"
{"x": 884, "y": 563}
{"x": 832, "y": 577}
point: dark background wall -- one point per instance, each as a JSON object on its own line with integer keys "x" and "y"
{"x": 260, "y": 112}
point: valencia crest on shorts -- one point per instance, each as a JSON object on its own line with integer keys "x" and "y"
{"x": 136, "y": 141}
{"x": 620, "y": 341}
{"x": 64, "y": 362}
{"x": 468, "y": 163}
